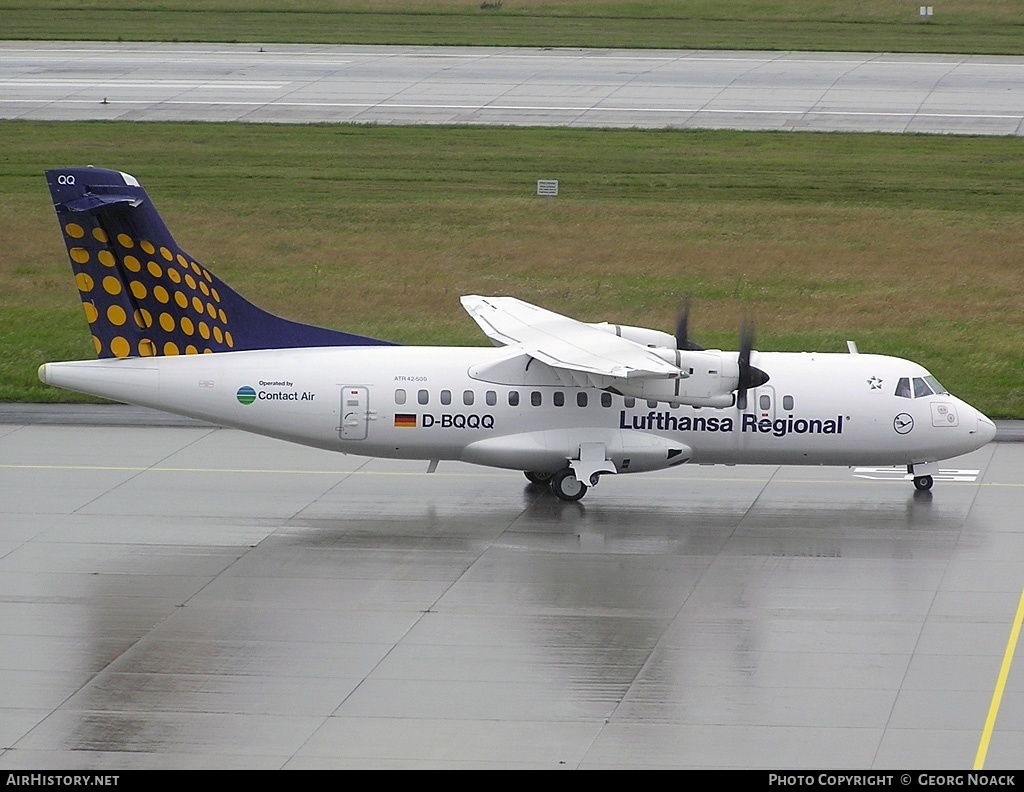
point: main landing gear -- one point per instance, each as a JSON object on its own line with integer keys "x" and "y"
{"x": 566, "y": 486}
{"x": 923, "y": 483}
{"x": 563, "y": 483}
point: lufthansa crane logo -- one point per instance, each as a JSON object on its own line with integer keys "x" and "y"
{"x": 903, "y": 423}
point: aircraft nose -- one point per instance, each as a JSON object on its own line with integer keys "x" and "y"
{"x": 986, "y": 429}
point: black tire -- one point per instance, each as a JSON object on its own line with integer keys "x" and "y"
{"x": 537, "y": 478}
{"x": 923, "y": 483}
{"x": 566, "y": 486}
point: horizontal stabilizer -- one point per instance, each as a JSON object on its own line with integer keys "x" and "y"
{"x": 89, "y": 202}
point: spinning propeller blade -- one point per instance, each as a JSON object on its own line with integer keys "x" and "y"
{"x": 750, "y": 376}
{"x": 682, "y": 321}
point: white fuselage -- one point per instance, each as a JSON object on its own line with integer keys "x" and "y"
{"x": 430, "y": 403}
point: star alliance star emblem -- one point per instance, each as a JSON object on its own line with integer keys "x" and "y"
{"x": 875, "y": 383}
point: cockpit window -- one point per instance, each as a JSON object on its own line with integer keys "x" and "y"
{"x": 917, "y": 387}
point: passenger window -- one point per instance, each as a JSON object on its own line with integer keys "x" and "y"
{"x": 559, "y": 399}
{"x": 446, "y": 397}
{"x": 535, "y": 398}
{"x": 581, "y": 398}
{"x": 903, "y": 388}
{"x": 422, "y": 397}
{"x": 652, "y": 403}
{"x": 400, "y": 396}
{"x": 467, "y": 398}
{"x": 765, "y": 401}
{"x": 629, "y": 401}
{"x": 787, "y": 402}
{"x": 921, "y": 388}
{"x": 513, "y": 398}
{"x": 606, "y": 399}
{"x": 491, "y": 398}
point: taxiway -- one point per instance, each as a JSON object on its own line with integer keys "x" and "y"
{"x": 187, "y": 596}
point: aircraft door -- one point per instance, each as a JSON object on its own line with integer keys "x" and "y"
{"x": 355, "y": 412}
{"x": 764, "y": 402}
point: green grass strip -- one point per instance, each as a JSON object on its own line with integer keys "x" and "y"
{"x": 957, "y": 26}
{"x": 910, "y": 245}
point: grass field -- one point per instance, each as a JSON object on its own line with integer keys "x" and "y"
{"x": 910, "y": 245}
{"x": 971, "y": 26}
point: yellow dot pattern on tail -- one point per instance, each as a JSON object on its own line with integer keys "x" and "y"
{"x": 143, "y": 295}
{"x": 122, "y": 292}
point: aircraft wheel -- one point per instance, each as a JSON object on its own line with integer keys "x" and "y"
{"x": 923, "y": 482}
{"x": 566, "y": 486}
{"x": 538, "y": 478}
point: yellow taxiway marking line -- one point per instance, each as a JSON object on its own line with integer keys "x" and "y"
{"x": 997, "y": 694}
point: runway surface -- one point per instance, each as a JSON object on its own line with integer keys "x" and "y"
{"x": 197, "y": 597}
{"x": 949, "y": 94}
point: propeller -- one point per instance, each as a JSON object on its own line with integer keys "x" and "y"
{"x": 750, "y": 376}
{"x": 682, "y": 320}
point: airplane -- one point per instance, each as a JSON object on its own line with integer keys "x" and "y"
{"x": 564, "y": 401}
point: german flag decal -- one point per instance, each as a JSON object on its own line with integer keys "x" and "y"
{"x": 405, "y": 420}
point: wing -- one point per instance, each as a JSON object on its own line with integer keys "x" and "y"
{"x": 565, "y": 343}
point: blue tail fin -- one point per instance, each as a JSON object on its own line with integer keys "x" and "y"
{"x": 142, "y": 294}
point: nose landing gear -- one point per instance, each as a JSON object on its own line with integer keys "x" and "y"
{"x": 923, "y": 475}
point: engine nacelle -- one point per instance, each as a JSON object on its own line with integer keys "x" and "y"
{"x": 709, "y": 378}
{"x": 639, "y": 335}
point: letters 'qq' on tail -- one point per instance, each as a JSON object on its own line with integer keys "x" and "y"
{"x": 563, "y": 401}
